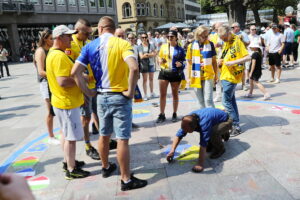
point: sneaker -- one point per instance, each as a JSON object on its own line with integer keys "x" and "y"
{"x": 217, "y": 99}
{"x": 217, "y": 154}
{"x": 53, "y": 141}
{"x": 107, "y": 172}
{"x": 245, "y": 88}
{"x": 270, "y": 81}
{"x": 146, "y": 98}
{"x": 161, "y": 118}
{"x": 277, "y": 81}
{"x": 133, "y": 125}
{"x": 235, "y": 131}
{"x": 113, "y": 144}
{"x": 267, "y": 96}
{"x": 134, "y": 183}
{"x": 153, "y": 95}
{"x": 174, "y": 117}
{"x": 248, "y": 96}
{"x": 93, "y": 153}
{"x": 78, "y": 164}
{"x": 76, "y": 173}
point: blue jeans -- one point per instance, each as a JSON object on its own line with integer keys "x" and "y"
{"x": 205, "y": 94}
{"x": 115, "y": 115}
{"x": 229, "y": 101}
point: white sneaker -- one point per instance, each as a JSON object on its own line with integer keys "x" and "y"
{"x": 146, "y": 98}
{"x": 271, "y": 81}
{"x": 245, "y": 88}
{"x": 248, "y": 96}
{"x": 53, "y": 141}
{"x": 277, "y": 81}
{"x": 153, "y": 95}
{"x": 217, "y": 99}
{"x": 267, "y": 96}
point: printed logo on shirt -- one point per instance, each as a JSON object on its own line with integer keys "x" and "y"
{"x": 68, "y": 52}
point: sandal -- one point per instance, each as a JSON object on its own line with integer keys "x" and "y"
{"x": 196, "y": 170}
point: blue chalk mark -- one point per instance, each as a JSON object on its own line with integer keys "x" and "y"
{"x": 16, "y": 154}
{"x": 180, "y": 148}
{"x": 38, "y": 148}
{"x": 140, "y": 115}
{"x": 25, "y": 170}
{"x": 270, "y": 103}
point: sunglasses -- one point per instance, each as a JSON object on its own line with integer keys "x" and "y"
{"x": 144, "y": 37}
{"x": 171, "y": 36}
{"x": 253, "y": 29}
{"x": 130, "y": 38}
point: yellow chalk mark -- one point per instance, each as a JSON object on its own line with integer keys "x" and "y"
{"x": 191, "y": 153}
{"x": 140, "y": 111}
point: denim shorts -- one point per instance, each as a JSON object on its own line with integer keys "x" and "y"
{"x": 115, "y": 115}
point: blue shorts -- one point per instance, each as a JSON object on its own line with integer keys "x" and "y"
{"x": 115, "y": 115}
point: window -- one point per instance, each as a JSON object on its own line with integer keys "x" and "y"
{"x": 82, "y": 3}
{"x": 34, "y": 1}
{"x": 155, "y": 10}
{"x": 48, "y": 2}
{"x": 182, "y": 12}
{"x": 161, "y": 10}
{"x": 101, "y": 3}
{"x": 61, "y": 2}
{"x": 92, "y": 3}
{"x": 178, "y": 13}
{"x": 138, "y": 9}
{"x": 72, "y": 3}
{"x": 126, "y": 10}
{"x": 110, "y": 3}
{"x": 148, "y": 9}
{"x": 143, "y": 9}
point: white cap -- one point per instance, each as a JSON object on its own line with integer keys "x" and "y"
{"x": 263, "y": 28}
{"x": 287, "y": 23}
{"x": 62, "y": 30}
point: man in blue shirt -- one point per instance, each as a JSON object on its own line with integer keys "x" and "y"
{"x": 213, "y": 125}
{"x": 289, "y": 39}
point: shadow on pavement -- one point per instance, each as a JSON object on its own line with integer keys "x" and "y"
{"x": 6, "y": 145}
{"x": 10, "y": 115}
{"x": 19, "y": 108}
{"x": 11, "y": 97}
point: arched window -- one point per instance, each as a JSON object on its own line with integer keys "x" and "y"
{"x": 178, "y": 13}
{"x": 126, "y": 10}
{"x": 162, "y": 10}
{"x": 148, "y": 9}
{"x": 155, "y": 10}
{"x": 138, "y": 9}
{"x": 143, "y": 9}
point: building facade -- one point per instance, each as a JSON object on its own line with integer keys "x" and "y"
{"x": 148, "y": 14}
{"x": 21, "y": 20}
{"x": 192, "y": 9}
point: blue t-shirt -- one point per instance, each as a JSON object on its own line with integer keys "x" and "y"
{"x": 208, "y": 118}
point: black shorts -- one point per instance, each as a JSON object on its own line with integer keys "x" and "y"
{"x": 255, "y": 76}
{"x": 288, "y": 47}
{"x": 275, "y": 59}
{"x": 170, "y": 76}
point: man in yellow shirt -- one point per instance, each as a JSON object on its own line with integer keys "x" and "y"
{"x": 116, "y": 72}
{"x": 66, "y": 99}
{"x": 234, "y": 54}
{"x": 83, "y": 28}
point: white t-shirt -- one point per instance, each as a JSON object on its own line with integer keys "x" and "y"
{"x": 254, "y": 39}
{"x": 3, "y": 53}
{"x": 275, "y": 41}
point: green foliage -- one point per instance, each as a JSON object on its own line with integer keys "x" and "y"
{"x": 208, "y": 8}
{"x": 279, "y": 5}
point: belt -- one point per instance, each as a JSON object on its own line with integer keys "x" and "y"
{"x": 109, "y": 93}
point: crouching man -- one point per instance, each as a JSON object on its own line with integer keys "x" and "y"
{"x": 213, "y": 125}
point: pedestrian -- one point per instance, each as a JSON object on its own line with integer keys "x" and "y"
{"x": 66, "y": 99}
{"x": 201, "y": 56}
{"x": 255, "y": 71}
{"x": 171, "y": 59}
{"x": 295, "y": 43}
{"x": 288, "y": 45}
{"x": 44, "y": 44}
{"x": 3, "y": 60}
{"x": 116, "y": 72}
{"x": 234, "y": 55}
{"x": 275, "y": 46}
{"x": 147, "y": 53}
{"x": 213, "y": 125}
{"x": 89, "y": 109}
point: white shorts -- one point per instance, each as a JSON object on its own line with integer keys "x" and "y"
{"x": 44, "y": 89}
{"x": 70, "y": 123}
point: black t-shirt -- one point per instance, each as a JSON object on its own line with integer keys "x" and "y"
{"x": 256, "y": 56}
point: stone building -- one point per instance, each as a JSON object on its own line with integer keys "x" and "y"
{"x": 21, "y": 20}
{"x": 134, "y": 14}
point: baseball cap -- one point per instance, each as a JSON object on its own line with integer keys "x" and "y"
{"x": 274, "y": 26}
{"x": 62, "y": 30}
{"x": 172, "y": 33}
{"x": 287, "y": 23}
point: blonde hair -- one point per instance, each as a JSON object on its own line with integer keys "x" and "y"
{"x": 223, "y": 30}
{"x": 43, "y": 36}
{"x": 199, "y": 31}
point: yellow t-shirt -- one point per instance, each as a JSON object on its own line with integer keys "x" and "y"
{"x": 74, "y": 52}
{"x": 233, "y": 50}
{"x": 207, "y": 70}
{"x": 59, "y": 65}
{"x": 164, "y": 53}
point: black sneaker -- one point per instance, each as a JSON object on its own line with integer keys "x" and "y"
{"x": 76, "y": 173}
{"x": 135, "y": 183}
{"x": 235, "y": 131}
{"x": 161, "y": 118}
{"x": 113, "y": 144}
{"x": 107, "y": 172}
{"x": 78, "y": 164}
{"x": 94, "y": 129}
{"x": 174, "y": 117}
{"x": 134, "y": 125}
{"x": 93, "y": 153}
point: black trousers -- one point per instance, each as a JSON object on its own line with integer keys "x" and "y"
{"x": 1, "y": 68}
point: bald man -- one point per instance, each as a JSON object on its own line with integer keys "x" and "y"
{"x": 120, "y": 33}
{"x": 213, "y": 125}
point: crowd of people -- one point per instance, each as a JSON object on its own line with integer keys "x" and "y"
{"x": 83, "y": 81}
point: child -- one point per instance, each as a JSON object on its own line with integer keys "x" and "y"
{"x": 255, "y": 71}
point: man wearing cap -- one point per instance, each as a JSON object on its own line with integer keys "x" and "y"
{"x": 89, "y": 108}
{"x": 66, "y": 99}
{"x": 116, "y": 72}
{"x": 213, "y": 125}
{"x": 289, "y": 39}
{"x": 275, "y": 45}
